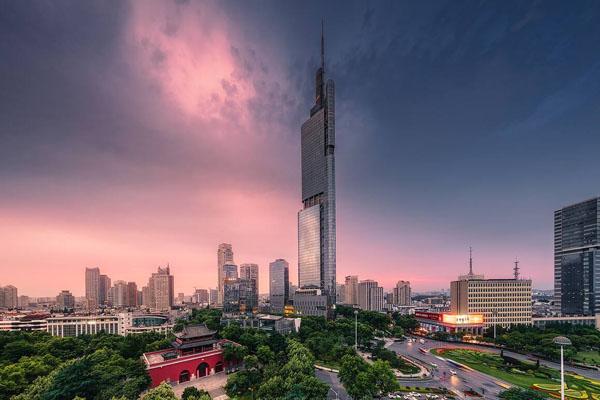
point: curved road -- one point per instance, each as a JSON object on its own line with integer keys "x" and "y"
{"x": 465, "y": 379}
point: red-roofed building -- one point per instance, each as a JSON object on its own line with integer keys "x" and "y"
{"x": 195, "y": 353}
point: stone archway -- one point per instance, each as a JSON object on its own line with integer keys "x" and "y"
{"x": 184, "y": 376}
{"x": 203, "y": 370}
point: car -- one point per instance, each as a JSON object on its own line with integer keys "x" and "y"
{"x": 452, "y": 372}
{"x": 421, "y": 341}
{"x": 434, "y": 365}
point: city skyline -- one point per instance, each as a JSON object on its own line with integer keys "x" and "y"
{"x": 128, "y": 144}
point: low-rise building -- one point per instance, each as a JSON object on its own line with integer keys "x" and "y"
{"x": 195, "y": 353}
{"x": 585, "y": 320}
{"x": 450, "y": 323}
{"x": 310, "y": 302}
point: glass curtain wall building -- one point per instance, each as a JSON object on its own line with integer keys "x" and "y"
{"x": 577, "y": 258}
{"x": 317, "y": 220}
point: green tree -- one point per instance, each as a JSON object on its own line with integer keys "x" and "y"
{"x": 193, "y": 393}
{"x": 272, "y": 389}
{"x": 383, "y": 378}
{"x": 161, "y": 392}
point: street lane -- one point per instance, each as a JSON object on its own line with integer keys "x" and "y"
{"x": 464, "y": 380}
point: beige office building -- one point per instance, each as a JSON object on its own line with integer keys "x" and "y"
{"x": 503, "y": 302}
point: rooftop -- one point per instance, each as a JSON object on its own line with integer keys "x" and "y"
{"x": 191, "y": 332}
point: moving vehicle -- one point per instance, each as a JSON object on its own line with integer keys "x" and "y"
{"x": 452, "y": 372}
{"x": 423, "y": 350}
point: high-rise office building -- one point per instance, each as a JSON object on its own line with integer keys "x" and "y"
{"x": 104, "y": 285}
{"x": 351, "y": 287}
{"x": 402, "y": 293}
{"x": 65, "y": 300}
{"x": 231, "y": 295}
{"x": 317, "y": 219}
{"x": 230, "y": 271}
{"x": 279, "y": 284}
{"x": 577, "y": 258}
{"x": 250, "y": 271}
{"x": 369, "y": 295}
{"x": 162, "y": 289}
{"x": 224, "y": 256}
{"x": 92, "y": 287}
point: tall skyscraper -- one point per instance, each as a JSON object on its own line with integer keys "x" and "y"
{"x": 317, "y": 220}
{"x": 224, "y": 256}
{"x": 401, "y": 294}
{"x": 92, "y": 287}
{"x": 351, "y": 287}
{"x": 577, "y": 258}
{"x": 279, "y": 284}
{"x": 249, "y": 286}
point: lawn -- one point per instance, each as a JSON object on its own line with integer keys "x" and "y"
{"x": 524, "y": 374}
{"x": 328, "y": 364}
{"x": 588, "y": 357}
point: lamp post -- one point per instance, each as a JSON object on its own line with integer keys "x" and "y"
{"x": 356, "y": 330}
{"x": 562, "y": 341}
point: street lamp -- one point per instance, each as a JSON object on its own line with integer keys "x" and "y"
{"x": 562, "y": 341}
{"x": 356, "y": 330}
{"x": 495, "y": 315}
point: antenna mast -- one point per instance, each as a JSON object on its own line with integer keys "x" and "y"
{"x": 516, "y": 269}
{"x": 470, "y": 260}
{"x": 322, "y": 46}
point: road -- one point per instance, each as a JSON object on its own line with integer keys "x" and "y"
{"x": 464, "y": 380}
{"x": 337, "y": 390}
{"x": 588, "y": 373}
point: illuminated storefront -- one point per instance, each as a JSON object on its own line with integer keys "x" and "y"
{"x": 451, "y": 323}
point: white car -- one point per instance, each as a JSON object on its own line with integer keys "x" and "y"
{"x": 434, "y": 365}
{"x": 452, "y": 372}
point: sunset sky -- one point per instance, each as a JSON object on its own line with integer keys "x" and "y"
{"x": 135, "y": 134}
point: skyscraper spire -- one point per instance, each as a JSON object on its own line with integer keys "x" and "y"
{"x": 323, "y": 45}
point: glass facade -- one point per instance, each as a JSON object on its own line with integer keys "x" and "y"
{"x": 279, "y": 281}
{"x": 309, "y": 247}
{"x": 577, "y": 258}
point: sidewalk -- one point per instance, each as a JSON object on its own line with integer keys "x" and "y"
{"x": 213, "y": 384}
